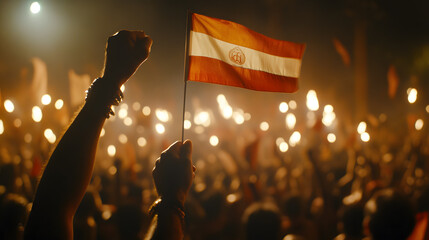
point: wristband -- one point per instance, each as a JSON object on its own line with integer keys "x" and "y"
{"x": 104, "y": 95}
{"x": 159, "y": 205}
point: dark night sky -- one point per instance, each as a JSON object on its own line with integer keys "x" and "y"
{"x": 71, "y": 35}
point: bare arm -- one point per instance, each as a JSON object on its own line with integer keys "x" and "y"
{"x": 68, "y": 172}
{"x": 173, "y": 175}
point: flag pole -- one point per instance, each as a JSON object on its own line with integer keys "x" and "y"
{"x": 185, "y": 70}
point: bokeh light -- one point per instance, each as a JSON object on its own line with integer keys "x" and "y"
{"x": 9, "y": 106}
{"x": 264, "y": 126}
{"x": 141, "y": 141}
{"x": 214, "y": 140}
{"x": 1, "y": 127}
{"x": 160, "y": 129}
{"x": 37, "y": 114}
{"x": 331, "y": 138}
{"x": 412, "y": 95}
{"x": 59, "y": 104}
{"x": 49, "y": 135}
{"x": 283, "y": 107}
{"x": 283, "y": 147}
{"x": 35, "y": 7}
{"x": 365, "y": 137}
{"x": 111, "y": 150}
{"x": 361, "y": 127}
{"x": 312, "y": 101}
{"x": 146, "y": 110}
{"x": 419, "y": 124}
{"x": 46, "y": 99}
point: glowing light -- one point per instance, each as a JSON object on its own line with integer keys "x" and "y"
{"x": 9, "y": 106}
{"x": 221, "y": 99}
{"x": 124, "y": 106}
{"x": 328, "y": 108}
{"x": 427, "y": 108}
{"x": 122, "y": 113}
{"x": 283, "y": 107}
{"x": 227, "y": 112}
{"x": 106, "y": 215}
{"x": 292, "y": 104}
{"x": 102, "y": 132}
{"x": 328, "y": 118}
{"x": 141, "y": 141}
{"x": 187, "y": 124}
{"x": 146, "y": 110}
{"x": 199, "y": 129}
{"x": 112, "y": 170}
{"x": 111, "y": 150}
{"x": 128, "y": 121}
{"x": 238, "y": 117}
{"x": 202, "y": 118}
{"x": 290, "y": 120}
{"x": 136, "y": 106}
{"x": 123, "y": 138}
{"x": 361, "y": 127}
{"x": 59, "y": 104}
{"x": 419, "y": 124}
{"x": 312, "y": 102}
{"x": 225, "y": 108}
{"x": 247, "y": 116}
{"x": 17, "y": 122}
{"x": 283, "y": 147}
{"x": 365, "y": 137}
{"x": 231, "y": 198}
{"x": 46, "y": 99}
{"x": 123, "y": 88}
{"x": 28, "y": 138}
{"x": 35, "y": 7}
{"x": 311, "y": 119}
{"x": 331, "y": 138}
{"x": 279, "y": 140}
{"x": 50, "y": 136}
{"x": 294, "y": 139}
{"x": 37, "y": 114}
{"x": 264, "y": 126}
{"x": 1, "y": 127}
{"x": 160, "y": 128}
{"x": 412, "y": 95}
{"x": 162, "y": 115}
{"x": 214, "y": 140}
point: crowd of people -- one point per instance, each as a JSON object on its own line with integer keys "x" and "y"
{"x": 247, "y": 189}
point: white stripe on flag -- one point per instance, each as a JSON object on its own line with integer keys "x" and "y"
{"x": 204, "y": 45}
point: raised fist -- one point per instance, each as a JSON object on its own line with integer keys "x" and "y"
{"x": 173, "y": 172}
{"x": 125, "y": 51}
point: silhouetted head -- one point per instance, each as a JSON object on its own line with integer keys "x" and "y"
{"x": 352, "y": 219}
{"x": 390, "y": 216}
{"x": 13, "y": 216}
{"x": 262, "y": 221}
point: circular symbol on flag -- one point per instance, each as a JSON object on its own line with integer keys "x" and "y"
{"x": 237, "y": 56}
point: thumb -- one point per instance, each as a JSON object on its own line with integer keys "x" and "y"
{"x": 186, "y": 149}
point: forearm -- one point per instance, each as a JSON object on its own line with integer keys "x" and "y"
{"x": 70, "y": 166}
{"x": 166, "y": 225}
{"x": 66, "y": 177}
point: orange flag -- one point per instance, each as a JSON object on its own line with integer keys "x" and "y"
{"x": 227, "y": 53}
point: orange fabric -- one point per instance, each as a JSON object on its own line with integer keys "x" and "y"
{"x": 210, "y": 70}
{"x": 235, "y": 33}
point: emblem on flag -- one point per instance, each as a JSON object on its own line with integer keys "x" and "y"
{"x": 237, "y": 56}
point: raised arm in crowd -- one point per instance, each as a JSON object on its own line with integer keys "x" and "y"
{"x": 69, "y": 170}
